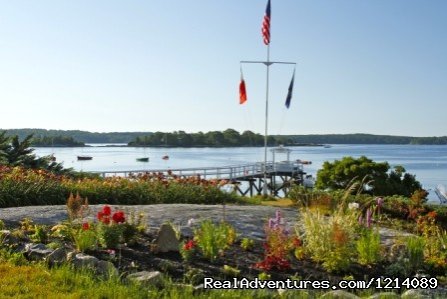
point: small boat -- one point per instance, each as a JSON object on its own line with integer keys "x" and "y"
{"x": 441, "y": 193}
{"x": 84, "y": 158}
{"x": 327, "y": 146}
{"x": 304, "y": 162}
{"x": 144, "y": 159}
{"x": 165, "y": 157}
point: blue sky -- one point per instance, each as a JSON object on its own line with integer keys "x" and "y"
{"x": 372, "y": 66}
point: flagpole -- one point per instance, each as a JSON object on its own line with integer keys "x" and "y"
{"x": 265, "y": 189}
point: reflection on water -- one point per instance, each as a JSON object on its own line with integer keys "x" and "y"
{"x": 428, "y": 163}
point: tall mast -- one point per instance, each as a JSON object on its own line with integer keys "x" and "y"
{"x": 267, "y": 63}
{"x": 265, "y": 189}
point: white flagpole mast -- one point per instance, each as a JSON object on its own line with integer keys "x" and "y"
{"x": 265, "y": 189}
{"x": 267, "y": 63}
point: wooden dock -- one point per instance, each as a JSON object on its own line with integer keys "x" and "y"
{"x": 246, "y": 179}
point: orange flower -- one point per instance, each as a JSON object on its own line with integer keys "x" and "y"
{"x": 432, "y": 214}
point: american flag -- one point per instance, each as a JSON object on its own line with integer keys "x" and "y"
{"x": 266, "y": 25}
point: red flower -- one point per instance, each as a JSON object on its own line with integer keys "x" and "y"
{"x": 118, "y": 217}
{"x": 106, "y": 210}
{"x": 189, "y": 245}
{"x": 297, "y": 242}
{"x": 85, "y": 226}
{"x": 100, "y": 216}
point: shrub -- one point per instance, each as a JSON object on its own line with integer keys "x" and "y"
{"x": 247, "y": 244}
{"x": 213, "y": 239}
{"x": 24, "y": 187}
{"x": 330, "y": 240}
{"x": 368, "y": 247}
{"x": 415, "y": 250}
{"x": 85, "y": 237}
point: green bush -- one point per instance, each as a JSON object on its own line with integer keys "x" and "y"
{"x": 213, "y": 239}
{"x": 368, "y": 247}
{"x": 415, "y": 249}
{"x": 330, "y": 240}
{"x": 25, "y": 187}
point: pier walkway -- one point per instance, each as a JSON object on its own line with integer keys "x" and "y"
{"x": 280, "y": 175}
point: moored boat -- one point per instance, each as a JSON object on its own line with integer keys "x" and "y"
{"x": 84, "y": 158}
{"x": 165, "y": 157}
{"x": 143, "y": 159}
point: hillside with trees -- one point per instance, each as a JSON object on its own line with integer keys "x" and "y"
{"x": 57, "y": 141}
{"x": 80, "y": 136}
{"x": 229, "y": 137}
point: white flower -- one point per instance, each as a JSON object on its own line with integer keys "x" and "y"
{"x": 353, "y": 205}
{"x": 191, "y": 221}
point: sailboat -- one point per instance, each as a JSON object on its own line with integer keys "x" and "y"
{"x": 166, "y": 157}
{"x": 143, "y": 159}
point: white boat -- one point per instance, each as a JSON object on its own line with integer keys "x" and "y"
{"x": 441, "y": 193}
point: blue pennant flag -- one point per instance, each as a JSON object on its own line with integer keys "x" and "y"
{"x": 289, "y": 94}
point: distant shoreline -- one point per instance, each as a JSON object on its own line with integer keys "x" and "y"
{"x": 207, "y": 146}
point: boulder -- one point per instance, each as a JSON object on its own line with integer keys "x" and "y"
{"x": 37, "y": 252}
{"x": 106, "y": 269}
{"x": 167, "y": 239}
{"x": 57, "y": 257}
{"x": 339, "y": 294}
{"x": 82, "y": 260}
{"x": 426, "y": 293}
{"x": 384, "y": 295}
{"x": 146, "y": 278}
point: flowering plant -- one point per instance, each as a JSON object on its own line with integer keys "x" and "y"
{"x": 187, "y": 249}
{"x": 278, "y": 245}
{"x": 85, "y": 237}
{"x": 110, "y": 228}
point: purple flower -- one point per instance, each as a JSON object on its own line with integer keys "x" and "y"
{"x": 272, "y": 223}
{"x": 278, "y": 216}
{"x": 379, "y": 201}
{"x": 361, "y": 219}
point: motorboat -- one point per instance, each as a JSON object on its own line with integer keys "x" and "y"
{"x": 84, "y": 158}
{"x": 143, "y": 159}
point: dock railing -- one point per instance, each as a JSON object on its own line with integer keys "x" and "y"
{"x": 231, "y": 172}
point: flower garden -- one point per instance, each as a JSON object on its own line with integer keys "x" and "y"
{"x": 335, "y": 236}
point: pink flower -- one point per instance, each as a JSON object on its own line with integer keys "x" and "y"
{"x": 368, "y": 218}
{"x": 278, "y": 216}
{"x": 272, "y": 223}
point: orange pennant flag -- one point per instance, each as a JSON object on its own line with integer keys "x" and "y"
{"x": 242, "y": 92}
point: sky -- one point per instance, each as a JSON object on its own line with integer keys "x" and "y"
{"x": 371, "y": 66}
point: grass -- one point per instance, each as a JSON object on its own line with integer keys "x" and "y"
{"x": 37, "y": 281}
{"x": 281, "y": 203}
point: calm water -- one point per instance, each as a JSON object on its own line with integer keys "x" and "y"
{"x": 427, "y": 162}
